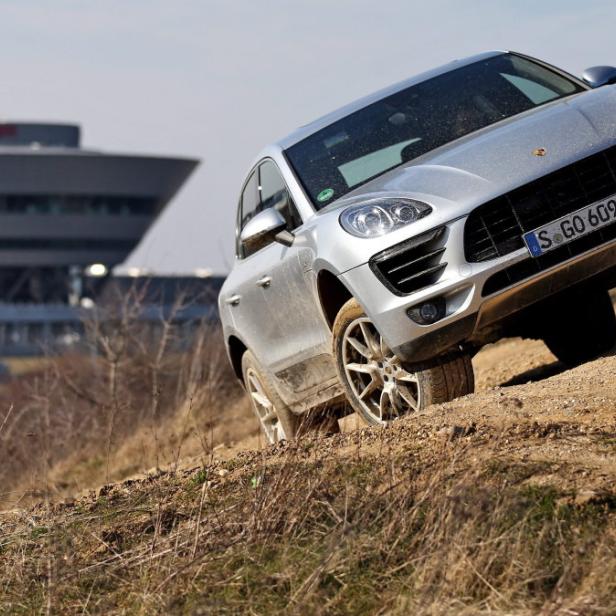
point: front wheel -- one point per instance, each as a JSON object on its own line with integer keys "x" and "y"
{"x": 378, "y": 385}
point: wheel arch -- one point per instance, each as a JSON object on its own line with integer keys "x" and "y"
{"x": 236, "y": 350}
{"x": 333, "y": 294}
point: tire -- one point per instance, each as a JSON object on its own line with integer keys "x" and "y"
{"x": 378, "y": 385}
{"x": 276, "y": 420}
{"x": 582, "y": 327}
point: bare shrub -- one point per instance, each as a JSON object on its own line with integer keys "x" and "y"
{"x": 154, "y": 382}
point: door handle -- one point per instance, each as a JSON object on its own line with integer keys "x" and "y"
{"x": 264, "y": 282}
{"x": 234, "y": 300}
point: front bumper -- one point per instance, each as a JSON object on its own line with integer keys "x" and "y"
{"x": 471, "y": 316}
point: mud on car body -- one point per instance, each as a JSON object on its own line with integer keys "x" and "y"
{"x": 380, "y": 247}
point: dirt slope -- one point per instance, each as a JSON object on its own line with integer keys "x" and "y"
{"x": 502, "y": 502}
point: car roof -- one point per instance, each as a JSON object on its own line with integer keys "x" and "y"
{"x": 326, "y": 120}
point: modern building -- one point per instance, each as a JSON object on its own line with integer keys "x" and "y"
{"x": 64, "y": 208}
{"x": 68, "y": 215}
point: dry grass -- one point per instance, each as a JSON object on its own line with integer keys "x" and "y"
{"x": 376, "y": 529}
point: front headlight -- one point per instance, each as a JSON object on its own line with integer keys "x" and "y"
{"x": 381, "y": 216}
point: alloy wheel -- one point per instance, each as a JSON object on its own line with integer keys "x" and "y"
{"x": 264, "y": 408}
{"x": 381, "y": 385}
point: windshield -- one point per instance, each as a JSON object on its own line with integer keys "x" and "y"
{"x": 414, "y": 121}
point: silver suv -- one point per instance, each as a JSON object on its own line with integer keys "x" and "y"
{"x": 380, "y": 247}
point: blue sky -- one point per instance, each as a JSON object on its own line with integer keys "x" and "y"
{"x": 217, "y": 79}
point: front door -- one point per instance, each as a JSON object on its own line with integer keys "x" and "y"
{"x": 300, "y": 356}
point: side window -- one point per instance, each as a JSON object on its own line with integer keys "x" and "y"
{"x": 250, "y": 204}
{"x": 264, "y": 189}
{"x": 274, "y": 193}
{"x": 250, "y": 200}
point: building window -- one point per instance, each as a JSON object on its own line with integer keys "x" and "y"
{"x": 80, "y": 205}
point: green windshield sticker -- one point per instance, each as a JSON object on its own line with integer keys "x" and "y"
{"x": 325, "y": 195}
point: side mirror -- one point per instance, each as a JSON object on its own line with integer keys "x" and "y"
{"x": 262, "y": 229}
{"x": 598, "y": 76}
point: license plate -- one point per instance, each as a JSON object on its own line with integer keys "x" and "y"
{"x": 571, "y": 227}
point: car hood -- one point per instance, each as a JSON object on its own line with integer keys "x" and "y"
{"x": 481, "y": 166}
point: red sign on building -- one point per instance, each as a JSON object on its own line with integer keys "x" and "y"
{"x": 7, "y": 130}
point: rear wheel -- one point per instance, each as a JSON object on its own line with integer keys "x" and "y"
{"x": 378, "y": 385}
{"x": 277, "y": 421}
{"x": 581, "y": 327}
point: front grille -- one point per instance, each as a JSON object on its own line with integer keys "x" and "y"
{"x": 529, "y": 267}
{"x": 412, "y": 265}
{"x": 495, "y": 228}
